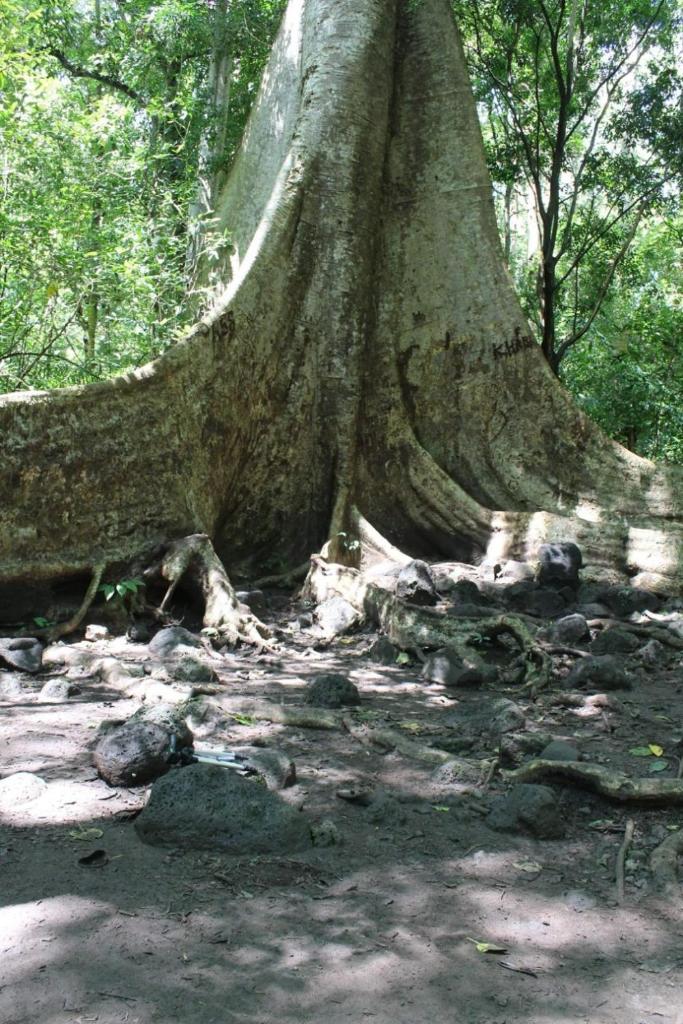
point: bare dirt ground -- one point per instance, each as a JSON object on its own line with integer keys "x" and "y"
{"x": 379, "y": 925}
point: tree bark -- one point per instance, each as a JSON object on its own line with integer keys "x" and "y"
{"x": 367, "y": 351}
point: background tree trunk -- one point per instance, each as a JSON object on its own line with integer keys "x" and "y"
{"x": 367, "y": 352}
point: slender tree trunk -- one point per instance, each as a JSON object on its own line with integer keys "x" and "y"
{"x": 367, "y": 353}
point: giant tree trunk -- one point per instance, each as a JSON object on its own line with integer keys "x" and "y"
{"x": 366, "y": 352}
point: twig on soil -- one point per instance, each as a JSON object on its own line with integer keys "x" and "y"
{"x": 621, "y": 858}
{"x": 663, "y": 864}
{"x": 611, "y": 784}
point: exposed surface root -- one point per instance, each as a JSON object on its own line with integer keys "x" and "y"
{"x": 621, "y": 858}
{"x": 611, "y": 784}
{"x": 389, "y": 740}
{"x": 412, "y": 627}
{"x": 194, "y": 558}
{"x": 53, "y": 633}
{"x": 664, "y": 862}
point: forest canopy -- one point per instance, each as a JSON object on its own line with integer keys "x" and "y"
{"x": 119, "y": 120}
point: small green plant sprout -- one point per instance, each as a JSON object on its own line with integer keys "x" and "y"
{"x": 119, "y": 590}
{"x": 42, "y": 623}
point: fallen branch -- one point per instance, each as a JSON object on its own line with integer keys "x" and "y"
{"x": 611, "y": 784}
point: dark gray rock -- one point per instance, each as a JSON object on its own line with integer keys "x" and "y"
{"x": 448, "y": 668}
{"x": 570, "y": 629}
{"x": 211, "y": 808}
{"x": 24, "y": 653}
{"x": 595, "y": 610}
{"x": 515, "y": 747}
{"x": 652, "y": 653}
{"x": 330, "y": 690}
{"x": 383, "y": 651}
{"x": 133, "y": 754}
{"x": 559, "y": 563}
{"x": 415, "y": 584}
{"x": 624, "y": 601}
{"x": 505, "y": 716}
{"x": 527, "y": 808}
{"x": 602, "y": 672}
{"x": 466, "y": 592}
{"x": 167, "y": 639}
{"x": 171, "y": 718}
{"x": 58, "y": 690}
{"x": 456, "y": 774}
{"x": 336, "y": 616}
{"x": 189, "y": 668}
{"x": 325, "y": 833}
{"x": 615, "y": 641}
{"x": 560, "y": 750}
{"x": 533, "y": 600}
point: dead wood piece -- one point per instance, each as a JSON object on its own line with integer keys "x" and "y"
{"x": 664, "y": 864}
{"x": 611, "y": 784}
{"x": 621, "y": 858}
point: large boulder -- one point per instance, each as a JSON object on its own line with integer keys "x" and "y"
{"x": 133, "y": 754}
{"x": 624, "y": 601}
{"x": 415, "y": 584}
{"x": 211, "y": 808}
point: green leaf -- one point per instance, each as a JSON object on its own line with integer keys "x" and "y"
{"x": 487, "y": 947}
{"x": 640, "y": 751}
{"x": 241, "y": 719}
{"x": 402, "y": 658}
{"x": 108, "y": 590}
{"x": 658, "y": 766}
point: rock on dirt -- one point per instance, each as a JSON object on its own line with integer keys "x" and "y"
{"x": 12, "y": 686}
{"x": 20, "y": 788}
{"x": 560, "y": 750}
{"x": 275, "y": 767}
{"x": 604, "y": 672}
{"x": 24, "y": 653}
{"x": 94, "y": 632}
{"x": 58, "y": 690}
{"x": 331, "y": 690}
{"x": 211, "y": 808}
{"x": 415, "y": 584}
{"x": 616, "y": 640}
{"x": 336, "y": 616}
{"x": 383, "y": 652}
{"x": 527, "y": 808}
{"x": 133, "y": 753}
{"x": 448, "y": 668}
{"x": 167, "y": 639}
{"x": 570, "y": 629}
